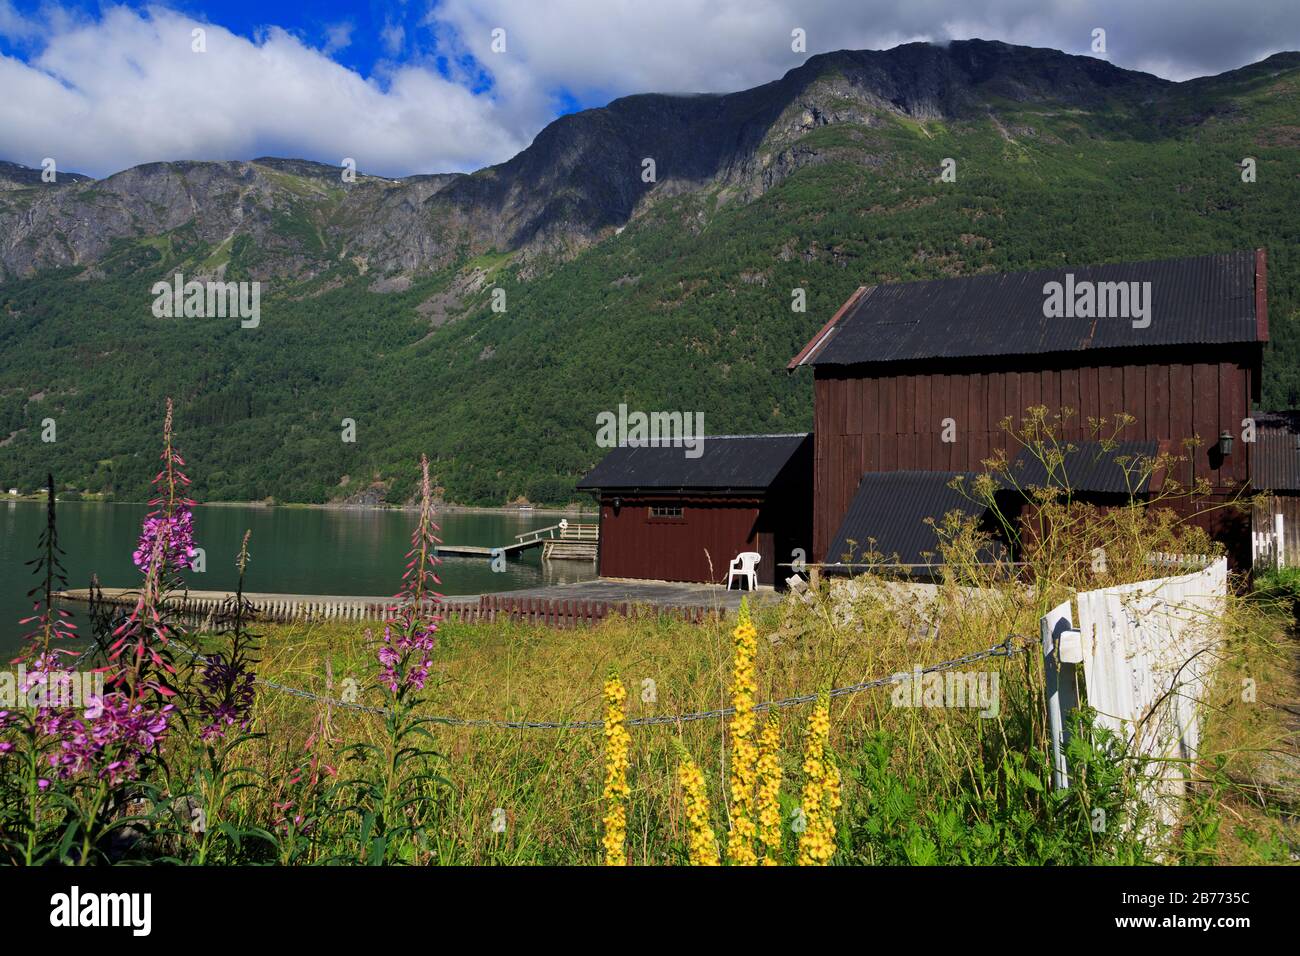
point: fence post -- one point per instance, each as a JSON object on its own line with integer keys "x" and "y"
{"x": 1279, "y": 532}
{"x": 1062, "y": 650}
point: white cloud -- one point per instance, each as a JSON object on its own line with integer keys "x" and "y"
{"x": 338, "y": 36}
{"x": 99, "y": 94}
{"x": 14, "y": 24}
{"x": 392, "y": 36}
{"x": 103, "y": 95}
{"x": 620, "y": 46}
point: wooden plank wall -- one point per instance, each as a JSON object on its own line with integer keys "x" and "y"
{"x": 871, "y": 420}
{"x": 634, "y": 545}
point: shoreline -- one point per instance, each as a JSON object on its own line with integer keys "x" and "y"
{"x": 441, "y": 508}
{"x": 329, "y": 506}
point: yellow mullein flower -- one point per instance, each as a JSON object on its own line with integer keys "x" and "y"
{"x": 617, "y": 747}
{"x": 833, "y": 799}
{"x": 744, "y": 755}
{"x": 702, "y": 844}
{"x": 769, "y": 791}
{"x": 821, "y": 790}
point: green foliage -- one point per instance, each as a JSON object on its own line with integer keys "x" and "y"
{"x": 1005, "y": 812}
{"x": 1282, "y": 584}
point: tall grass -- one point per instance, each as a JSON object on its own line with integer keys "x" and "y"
{"x": 549, "y": 781}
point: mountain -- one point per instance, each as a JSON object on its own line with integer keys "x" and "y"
{"x": 579, "y": 180}
{"x": 18, "y": 176}
{"x": 377, "y": 294}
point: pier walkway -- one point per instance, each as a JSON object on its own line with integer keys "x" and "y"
{"x": 563, "y": 541}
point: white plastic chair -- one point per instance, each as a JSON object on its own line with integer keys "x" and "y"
{"x": 742, "y": 566}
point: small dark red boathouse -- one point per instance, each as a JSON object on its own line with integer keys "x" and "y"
{"x": 665, "y": 516}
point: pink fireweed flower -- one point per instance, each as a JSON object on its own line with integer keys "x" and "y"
{"x": 112, "y": 745}
{"x": 111, "y": 739}
{"x": 48, "y": 688}
{"x": 44, "y": 680}
{"x": 409, "y": 652}
{"x": 410, "y": 628}
{"x": 171, "y": 521}
{"x": 137, "y": 654}
{"x": 177, "y": 532}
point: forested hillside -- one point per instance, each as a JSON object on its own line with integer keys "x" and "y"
{"x": 377, "y": 297}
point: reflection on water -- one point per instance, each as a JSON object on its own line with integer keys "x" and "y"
{"x": 294, "y": 551}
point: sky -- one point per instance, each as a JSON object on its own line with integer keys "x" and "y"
{"x": 454, "y": 85}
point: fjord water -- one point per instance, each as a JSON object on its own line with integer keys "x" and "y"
{"x": 294, "y": 550}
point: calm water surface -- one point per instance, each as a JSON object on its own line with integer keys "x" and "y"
{"x": 294, "y": 550}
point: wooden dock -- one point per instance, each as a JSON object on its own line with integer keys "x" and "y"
{"x": 559, "y": 542}
{"x": 478, "y": 551}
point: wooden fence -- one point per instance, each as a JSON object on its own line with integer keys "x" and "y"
{"x": 202, "y": 609}
{"x": 564, "y": 613}
{"x": 1179, "y": 562}
{"x": 1269, "y": 548}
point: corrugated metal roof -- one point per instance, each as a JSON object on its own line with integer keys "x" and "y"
{"x": 1197, "y": 300}
{"x": 1275, "y": 462}
{"x": 1087, "y": 466}
{"x": 727, "y": 462}
{"x": 891, "y": 508}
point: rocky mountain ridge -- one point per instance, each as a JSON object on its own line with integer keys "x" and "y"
{"x": 580, "y": 179}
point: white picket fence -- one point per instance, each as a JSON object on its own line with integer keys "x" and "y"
{"x": 1147, "y": 650}
{"x": 1180, "y": 562}
{"x": 1267, "y": 547}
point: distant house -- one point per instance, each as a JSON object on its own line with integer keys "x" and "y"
{"x": 665, "y": 516}
{"x": 13, "y": 492}
{"x": 914, "y": 379}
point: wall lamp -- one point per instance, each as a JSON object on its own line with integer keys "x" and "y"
{"x": 1225, "y": 443}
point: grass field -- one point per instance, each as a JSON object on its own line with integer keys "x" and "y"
{"x": 922, "y": 784}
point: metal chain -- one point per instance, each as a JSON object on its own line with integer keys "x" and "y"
{"x": 1006, "y": 648}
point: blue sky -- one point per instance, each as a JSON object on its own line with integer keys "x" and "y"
{"x": 419, "y": 86}
{"x": 357, "y": 35}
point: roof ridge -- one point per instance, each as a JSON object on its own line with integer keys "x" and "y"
{"x": 1042, "y": 270}
{"x": 763, "y": 435}
{"x": 676, "y": 442}
{"x": 1210, "y": 299}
